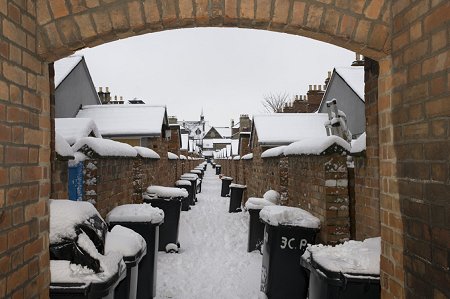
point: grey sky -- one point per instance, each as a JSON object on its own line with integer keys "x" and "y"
{"x": 224, "y": 71}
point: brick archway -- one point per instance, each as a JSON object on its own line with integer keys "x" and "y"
{"x": 66, "y": 26}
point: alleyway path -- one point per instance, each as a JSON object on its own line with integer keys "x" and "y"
{"x": 213, "y": 261}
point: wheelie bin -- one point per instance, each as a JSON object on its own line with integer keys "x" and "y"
{"x": 225, "y": 190}
{"x": 167, "y": 199}
{"x": 255, "y": 227}
{"x": 133, "y": 248}
{"x": 77, "y": 241}
{"x": 144, "y": 220}
{"x": 236, "y": 192}
{"x": 218, "y": 169}
{"x": 287, "y": 232}
{"x": 333, "y": 273}
{"x": 191, "y": 177}
{"x": 185, "y": 202}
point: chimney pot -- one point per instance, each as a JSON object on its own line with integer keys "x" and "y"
{"x": 329, "y": 74}
{"x": 115, "y": 98}
{"x": 315, "y": 87}
{"x": 121, "y": 98}
{"x": 100, "y": 89}
{"x": 107, "y": 89}
{"x": 320, "y": 87}
{"x": 324, "y": 86}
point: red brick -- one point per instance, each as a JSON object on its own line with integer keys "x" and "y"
{"x": 16, "y": 278}
{"x": 59, "y": 9}
{"x": 18, "y": 236}
{"x": 437, "y": 19}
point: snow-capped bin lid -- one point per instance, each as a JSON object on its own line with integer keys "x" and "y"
{"x": 77, "y": 233}
{"x": 196, "y": 171}
{"x": 183, "y": 183}
{"x": 189, "y": 176}
{"x": 288, "y": 216}
{"x": 352, "y": 257}
{"x": 168, "y": 193}
{"x": 257, "y": 203}
{"x": 227, "y": 178}
{"x": 66, "y": 215}
{"x": 238, "y": 186}
{"x": 127, "y": 242}
{"x": 136, "y": 213}
{"x": 218, "y": 165}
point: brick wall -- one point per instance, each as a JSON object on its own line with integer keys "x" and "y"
{"x": 24, "y": 155}
{"x": 367, "y": 177}
{"x": 415, "y": 158}
{"x": 59, "y": 184}
{"x": 318, "y": 184}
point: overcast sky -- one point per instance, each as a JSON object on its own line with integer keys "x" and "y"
{"x": 226, "y": 72}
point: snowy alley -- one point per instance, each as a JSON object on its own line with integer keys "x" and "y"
{"x": 213, "y": 261}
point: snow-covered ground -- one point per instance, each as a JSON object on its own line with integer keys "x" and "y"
{"x": 213, "y": 261}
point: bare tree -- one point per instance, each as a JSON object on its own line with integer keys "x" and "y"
{"x": 274, "y": 103}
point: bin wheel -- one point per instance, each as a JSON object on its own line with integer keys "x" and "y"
{"x": 172, "y": 248}
{"x": 178, "y": 244}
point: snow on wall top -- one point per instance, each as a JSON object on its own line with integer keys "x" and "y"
{"x": 284, "y": 128}
{"x": 135, "y": 213}
{"x": 64, "y": 66}
{"x": 73, "y": 129}
{"x": 247, "y": 157}
{"x": 359, "y": 144}
{"x": 354, "y": 76}
{"x": 352, "y": 257}
{"x": 172, "y": 156}
{"x": 315, "y": 146}
{"x": 106, "y": 147}
{"x": 145, "y": 152}
{"x": 273, "y": 152}
{"x": 165, "y": 192}
{"x": 62, "y": 148}
{"x": 65, "y": 215}
{"x": 123, "y": 120}
{"x": 282, "y": 215}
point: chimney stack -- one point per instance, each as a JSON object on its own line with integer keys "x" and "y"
{"x": 359, "y": 60}
{"x": 104, "y": 97}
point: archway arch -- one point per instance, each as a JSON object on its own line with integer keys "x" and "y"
{"x": 64, "y": 27}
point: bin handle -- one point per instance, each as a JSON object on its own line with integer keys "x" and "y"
{"x": 343, "y": 279}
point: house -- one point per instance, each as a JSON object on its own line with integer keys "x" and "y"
{"x": 346, "y": 85}
{"x": 136, "y": 125}
{"x": 218, "y": 132}
{"x": 272, "y": 130}
{"x": 72, "y": 129}
{"x": 196, "y": 129}
{"x": 73, "y": 86}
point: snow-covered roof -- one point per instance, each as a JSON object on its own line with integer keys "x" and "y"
{"x": 126, "y": 120}
{"x": 72, "y": 129}
{"x": 285, "y": 128}
{"x": 354, "y": 77}
{"x": 64, "y": 66}
{"x": 225, "y": 132}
